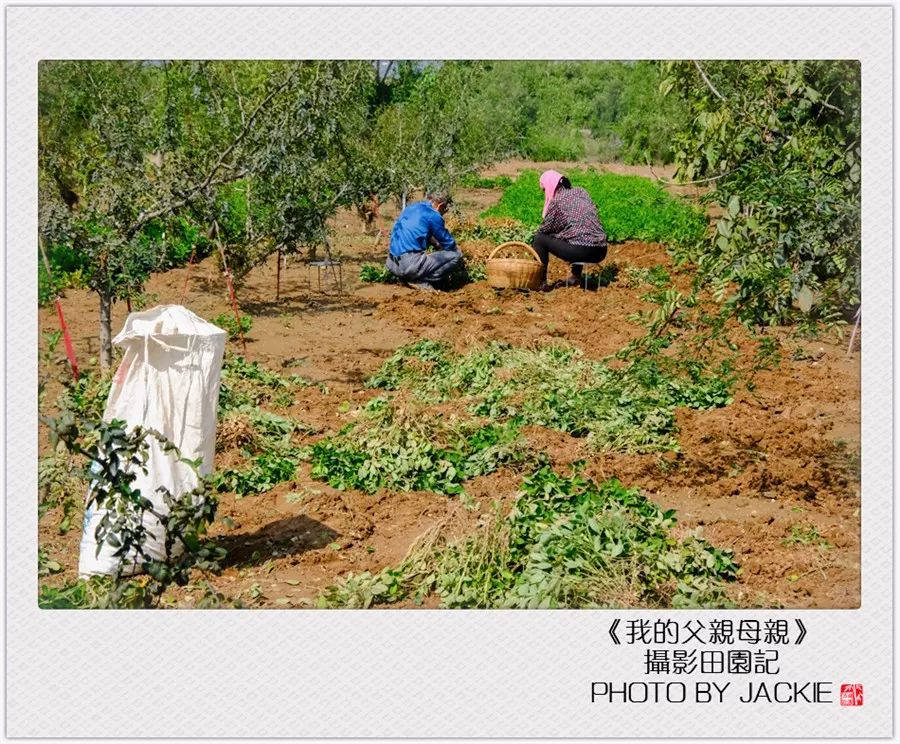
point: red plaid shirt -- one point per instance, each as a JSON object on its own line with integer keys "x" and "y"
{"x": 572, "y": 216}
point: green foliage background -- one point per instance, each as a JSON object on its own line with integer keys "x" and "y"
{"x": 567, "y": 110}
{"x": 781, "y": 141}
{"x": 145, "y": 165}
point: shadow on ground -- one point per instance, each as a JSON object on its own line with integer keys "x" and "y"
{"x": 289, "y": 536}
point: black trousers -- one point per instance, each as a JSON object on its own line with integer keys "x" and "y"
{"x": 545, "y": 244}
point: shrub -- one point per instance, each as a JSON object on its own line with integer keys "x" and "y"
{"x": 68, "y": 269}
{"x": 112, "y": 453}
{"x": 548, "y": 144}
{"x": 781, "y": 139}
{"x": 60, "y": 487}
{"x": 87, "y": 395}
{"x": 227, "y": 322}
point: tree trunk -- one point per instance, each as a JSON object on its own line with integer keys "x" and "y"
{"x": 278, "y": 275}
{"x": 403, "y": 200}
{"x": 249, "y": 223}
{"x": 105, "y": 333}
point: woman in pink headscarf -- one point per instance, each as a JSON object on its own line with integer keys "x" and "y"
{"x": 571, "y": 229}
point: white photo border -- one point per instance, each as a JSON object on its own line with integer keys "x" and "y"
{"x": 283, "y": 673}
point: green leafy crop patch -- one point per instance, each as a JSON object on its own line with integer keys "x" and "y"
{"x": 265, "y": 439}
{"x": 492, "y": 229}
{"x": 264, "y": 472}
{"x": 251, "y": 384}
{"x": 474, "y": 181}
{"x": 630, "y": 207}
{"x": 372, "y": 274}
{"x": 656, "y": 276}
{"x": 86, "y": 396}
{"x": 408, "y": 449}
{"x": 567, "y": 542}
{"x": 556, "y": 387}
{"x": 463, "y": 273}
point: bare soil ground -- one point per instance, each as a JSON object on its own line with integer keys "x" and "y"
{"x": 749, "y": 476}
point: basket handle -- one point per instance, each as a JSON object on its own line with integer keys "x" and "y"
{"x": 517, "y": 244}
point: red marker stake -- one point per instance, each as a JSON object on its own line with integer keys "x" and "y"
{"x": 67, "y": 339}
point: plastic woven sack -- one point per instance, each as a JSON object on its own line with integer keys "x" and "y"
{"x": 168, "y": 380}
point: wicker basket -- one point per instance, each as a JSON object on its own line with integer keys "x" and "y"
{"x": 514, "y": 273}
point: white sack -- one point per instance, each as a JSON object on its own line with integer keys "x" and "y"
{"x": 168, "y": 380}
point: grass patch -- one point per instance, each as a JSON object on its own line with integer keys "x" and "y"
{"x": 631, "y": 207}
{"x": 567, "y": 542}
{"x": 474, "y": 181}
{"x": 806, "y": 534}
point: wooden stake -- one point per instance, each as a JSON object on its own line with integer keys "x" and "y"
{"x": 187, "y": 273}
{"x": 227, "y": 272}
{"x": 855, "y": 329}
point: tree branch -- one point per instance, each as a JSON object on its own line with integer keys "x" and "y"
{"x": 145, "y": 217}
{"x": 381, "y": 76}
{"x": 690, "y": 183}
{"x": 707, "y": 81}
{"x": 833, "y": 108}
{"x": 240, "y": 101}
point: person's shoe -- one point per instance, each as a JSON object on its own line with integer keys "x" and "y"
{"x": 546, "y": 287}
{"x": 424, "y": 286}
{"x": 574, "y": 281}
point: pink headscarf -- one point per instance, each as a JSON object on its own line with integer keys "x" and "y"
{"x": 549, "y": 181}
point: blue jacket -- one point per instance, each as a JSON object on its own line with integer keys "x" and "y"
{"x": 416, "y": 226}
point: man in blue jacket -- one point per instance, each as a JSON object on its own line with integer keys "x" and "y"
{"x": 419, "y": 226}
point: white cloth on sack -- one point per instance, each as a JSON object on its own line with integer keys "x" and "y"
{"x": 168, "y": 380}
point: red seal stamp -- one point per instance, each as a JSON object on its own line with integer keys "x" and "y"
{"x": 851, "y": 694}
